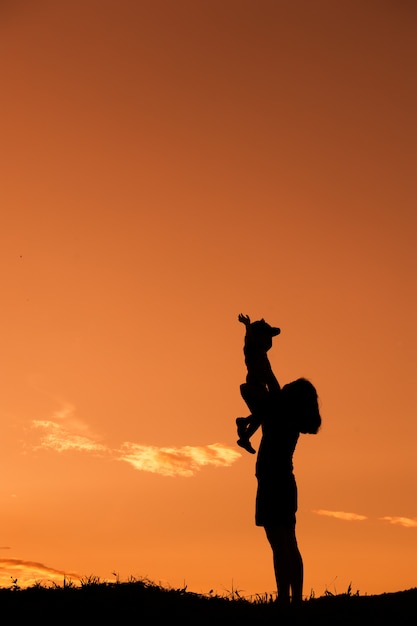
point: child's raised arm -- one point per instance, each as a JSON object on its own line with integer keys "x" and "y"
{"x": 244, "y": 319}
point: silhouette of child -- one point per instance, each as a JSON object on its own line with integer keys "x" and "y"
{"x": 261, "y": 383}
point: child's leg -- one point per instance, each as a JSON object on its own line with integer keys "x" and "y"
{"x": 256, "y": 397}
{"x": 247, "y": 426}
{"x": 242, "y": 424}
{"x": 244, "y": 431}
{"x": 253, "y": 423}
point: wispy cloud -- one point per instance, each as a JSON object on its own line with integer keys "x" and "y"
{"x": 59, "y": 438}
{"x": 407, "y": 522}
{"x": 181, "y": 461}
{"x": 64, "y": 433}
{"x": 28, "y": 572}
{"x": 343, "y": 515}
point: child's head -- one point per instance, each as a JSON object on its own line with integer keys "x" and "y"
{"x": 261, "y": 333}
{"x": 301, "y": 401}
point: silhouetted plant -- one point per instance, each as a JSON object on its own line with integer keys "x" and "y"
{"x": 141, "y": 601}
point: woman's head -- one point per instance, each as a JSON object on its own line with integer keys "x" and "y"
{"x": 301, "y": 401}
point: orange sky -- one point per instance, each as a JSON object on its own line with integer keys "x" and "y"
{"x": 166, "y": 165}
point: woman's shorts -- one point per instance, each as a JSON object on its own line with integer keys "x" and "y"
{"x": 276, "y": 502}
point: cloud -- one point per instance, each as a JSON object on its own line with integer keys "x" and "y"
{"x": 59, "y": 438}
{"x": 407, "y": 522}
{"x": 28, "y": 572}
{"x": 64, "y": 433}
{"x": 182, "y": 461}
{"x": 343, "y": 515}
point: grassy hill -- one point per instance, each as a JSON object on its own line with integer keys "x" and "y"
{"x": 141, "y": 602}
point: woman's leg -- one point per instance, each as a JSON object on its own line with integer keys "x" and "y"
{"x": 288, "y": 564}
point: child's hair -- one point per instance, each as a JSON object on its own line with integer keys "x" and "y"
{"x": 300, "y": 397}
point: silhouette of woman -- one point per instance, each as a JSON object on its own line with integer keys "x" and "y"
{"x": 293, "y": 411}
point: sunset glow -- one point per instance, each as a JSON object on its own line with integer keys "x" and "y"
{"x": 167, "y": 165}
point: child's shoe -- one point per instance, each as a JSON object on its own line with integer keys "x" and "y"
{"x": 245, "y": 443}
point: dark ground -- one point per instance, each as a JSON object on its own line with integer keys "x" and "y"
{"x": 141, "y": 602}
